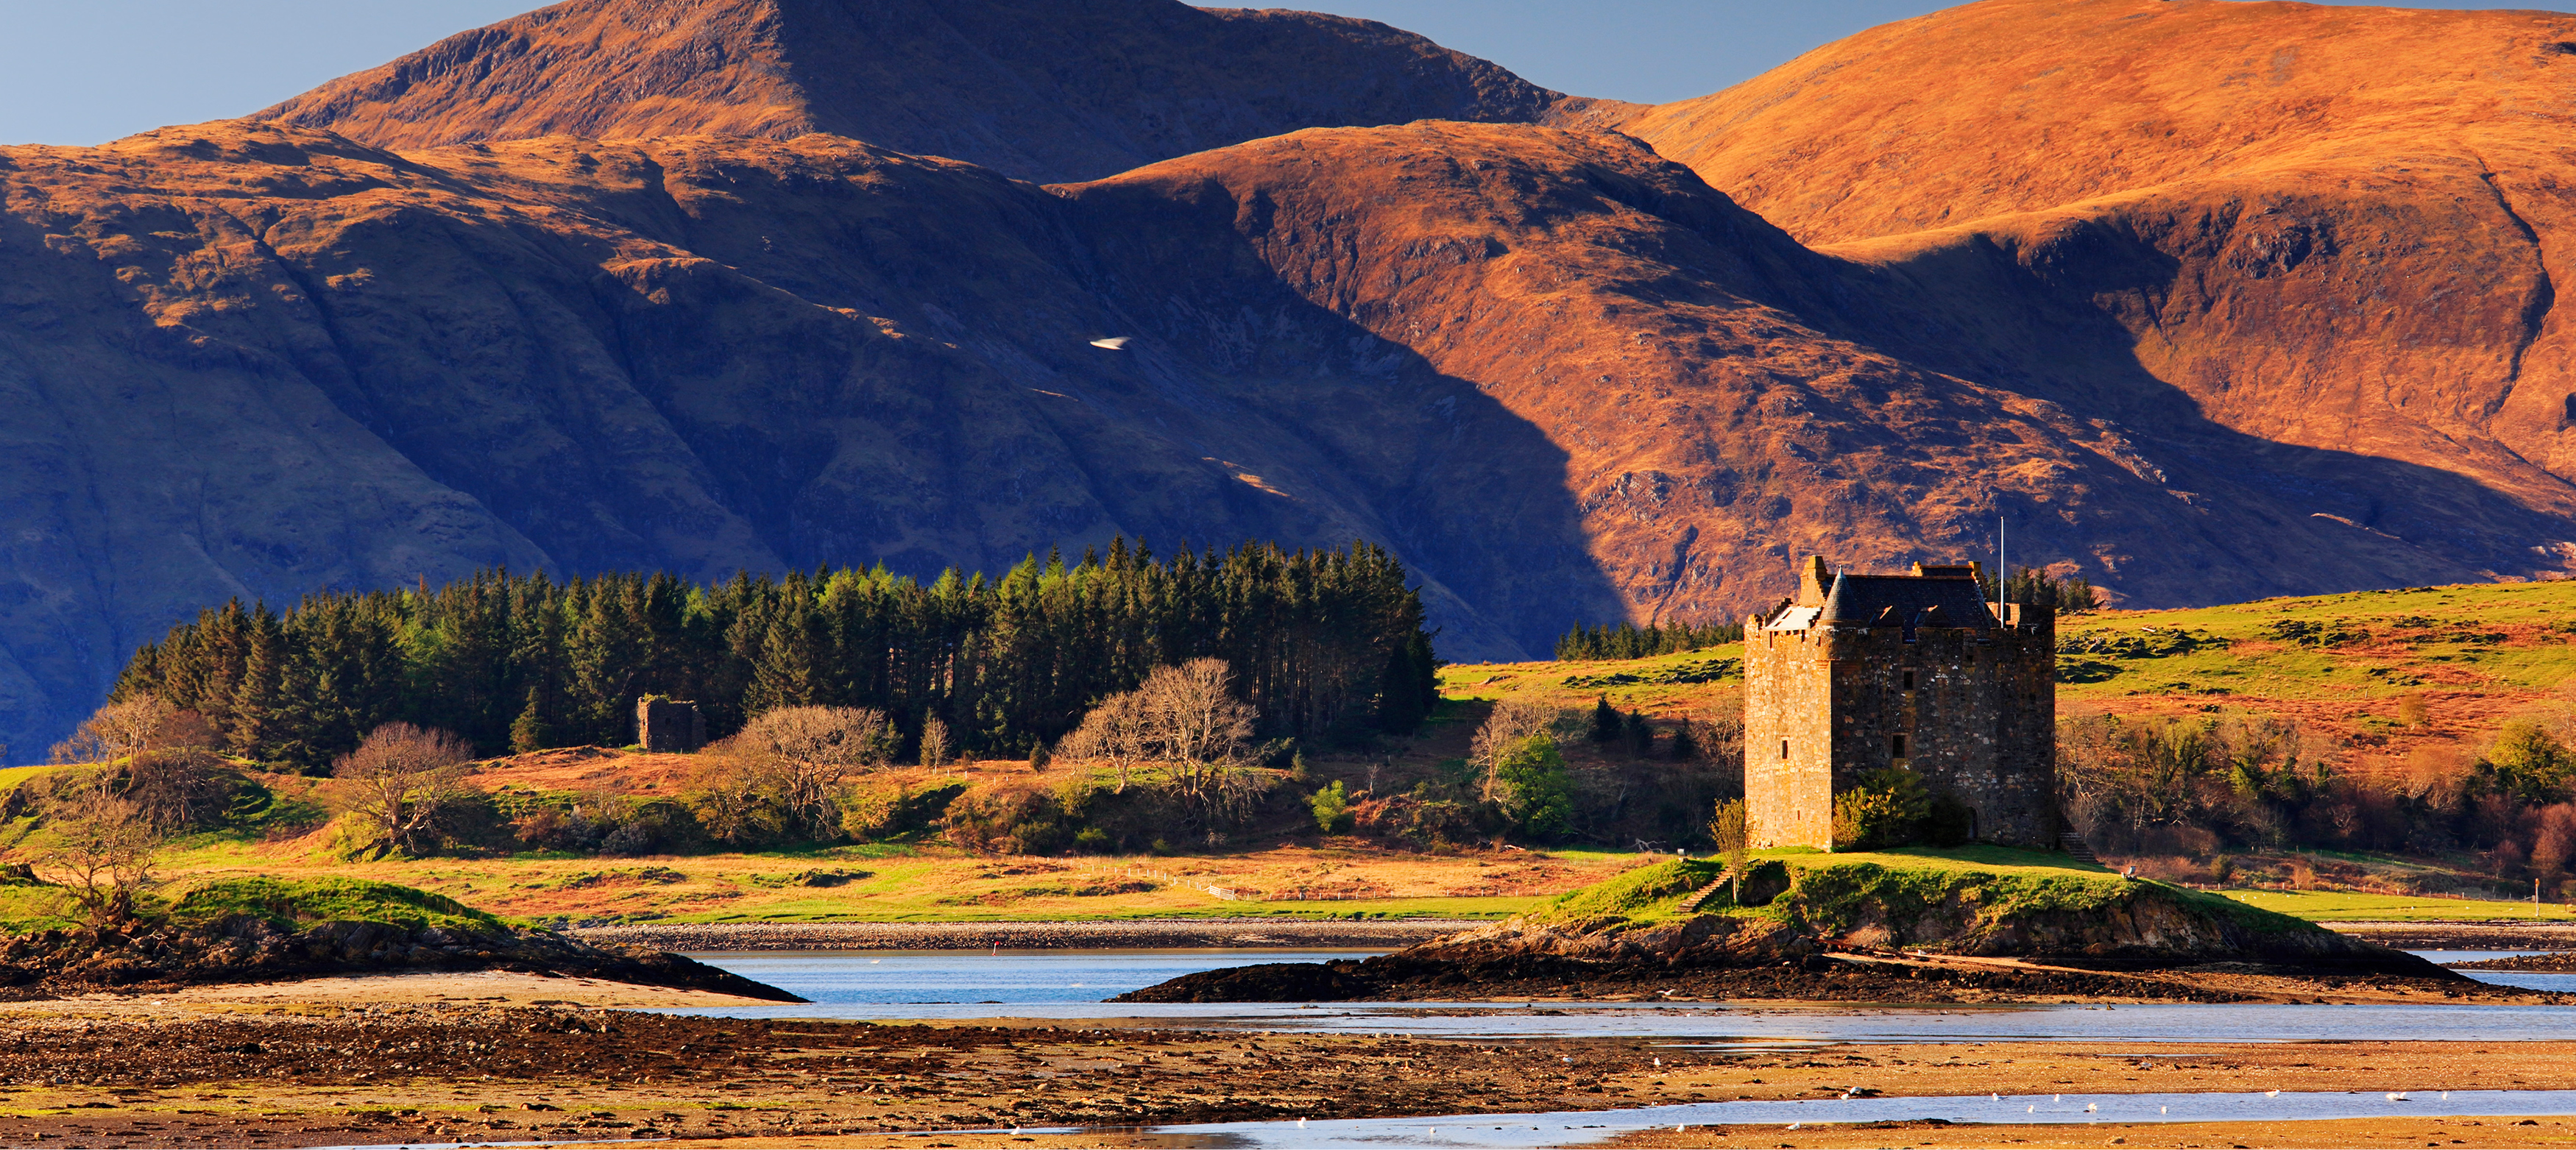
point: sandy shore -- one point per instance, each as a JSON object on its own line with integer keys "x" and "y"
{"x": 236, "y": 1074}
{"x": 1108, "y": 934}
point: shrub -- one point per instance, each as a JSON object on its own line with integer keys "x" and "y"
{"x": 1022, "y": 822}
{"x": 896, "y": 810}
{"x": 2530, "y": 761}
{"x": 1887, "y": 809}
{"x": 1332, "y": 807}
{"x": 1533, "y": 787}
{"x": 1418, "y": 818}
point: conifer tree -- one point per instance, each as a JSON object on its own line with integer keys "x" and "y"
{"x": 1606, "y": 723}
{"x": 258, "y": 709}
{"x": 528, "y": 732}
{"x": 1326, "y": 640}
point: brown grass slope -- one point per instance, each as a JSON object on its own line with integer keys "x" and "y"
{"x": 1032, "y": 88}
{"x": 2334, "y": 232}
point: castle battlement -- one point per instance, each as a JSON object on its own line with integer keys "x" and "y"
{"x": 1917, "y": 671}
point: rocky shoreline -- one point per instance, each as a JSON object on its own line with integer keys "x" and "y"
{"x": 1114, "y": 934}
{"x": 245, "y": 948}
{"x": 2463, "y": 935}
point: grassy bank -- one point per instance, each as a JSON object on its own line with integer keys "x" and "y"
{"x": 2469, "y": 654}
{"x": 933, "y": 883}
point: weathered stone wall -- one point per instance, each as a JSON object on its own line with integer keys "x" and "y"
{"x": 666, "y": 727}
{"x": 1788, "y": 753}
{"x": 1971, "y": 710}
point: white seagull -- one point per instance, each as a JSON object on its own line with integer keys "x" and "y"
{"x": 1113, "y": 343}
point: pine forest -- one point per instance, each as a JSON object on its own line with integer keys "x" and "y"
{"x": 1324, "y": 644}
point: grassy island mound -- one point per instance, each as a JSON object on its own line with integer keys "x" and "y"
{"x": 2067, "y": 927}
{"x": 260, "y": 928}
{"x": 1979, "y": 901}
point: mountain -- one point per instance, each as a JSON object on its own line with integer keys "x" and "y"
{"x": 1037, "y": 89}
{"x": 1556, "y": 373}
{"x": 1562, "y": 376}
{"x": 2334, "y": 228}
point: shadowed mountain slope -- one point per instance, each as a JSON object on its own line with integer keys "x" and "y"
{"x": 2338, "y": 228}
{"x": 1556, "y": 374}
{"x": 1036, "y": 89}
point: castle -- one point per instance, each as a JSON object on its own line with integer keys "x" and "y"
{"x": 1861, "y": 672}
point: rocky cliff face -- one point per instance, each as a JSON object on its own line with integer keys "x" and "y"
{"x": 2336, "y": 231}
{"x": 1031, "y": 88}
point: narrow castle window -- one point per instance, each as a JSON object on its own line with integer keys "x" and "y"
{"x": 1784, "y": 748}
{"x": 1909, "y": 680}
{"x": 1898, "y": 742}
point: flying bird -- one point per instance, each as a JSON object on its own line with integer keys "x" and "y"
{"x": 1113, "y": 343}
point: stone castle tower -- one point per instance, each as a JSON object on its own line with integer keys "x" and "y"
{"x": 1860, "y": 672}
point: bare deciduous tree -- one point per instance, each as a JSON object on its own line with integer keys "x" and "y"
{"x": 1184, "y": 718}
{"x": 1115, "y": 734}
{"x": 935, "y": 747}
{"x": 800, "y": 755}
{"x": 115, "y": 731}
{"x": 401, "y": 781}
{"x": 1197, "y": 718}
{"x": 103, "y": 850}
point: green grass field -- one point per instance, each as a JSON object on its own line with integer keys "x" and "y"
{"x": 2454, "y": 645}
{"x": 2344, "y": 906}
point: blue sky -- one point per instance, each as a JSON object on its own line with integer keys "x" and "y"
{"x": 85, "y": 71}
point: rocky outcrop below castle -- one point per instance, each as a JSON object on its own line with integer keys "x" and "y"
{"x": 1848, "y": 931}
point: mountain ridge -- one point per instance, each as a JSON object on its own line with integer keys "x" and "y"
{"x": 1039, "y": 91}
{"x": 2335, "y": 227}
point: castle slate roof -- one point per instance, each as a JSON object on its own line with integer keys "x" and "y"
{"x": 1902, "y": 600}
